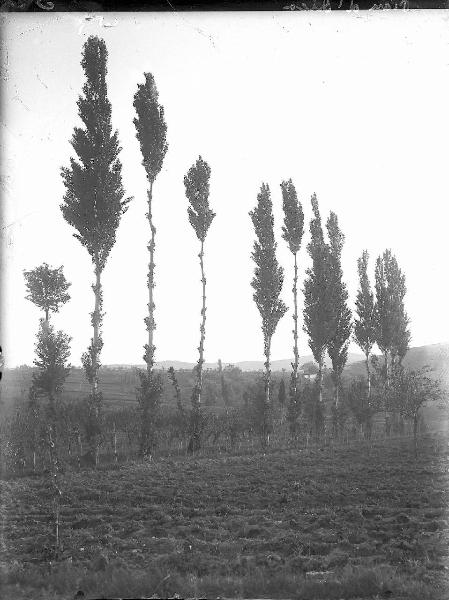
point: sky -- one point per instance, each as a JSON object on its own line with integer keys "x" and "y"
{"x": 351, "y": 106}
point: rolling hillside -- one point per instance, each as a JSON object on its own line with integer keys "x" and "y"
{"x": 119, "y": 382}
{"x": 436, "y": 356}
{"x": 246, "y": 365}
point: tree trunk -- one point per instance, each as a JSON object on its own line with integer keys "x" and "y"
{"x": 195, "y": 439}
{"x": 203, "y": 327}
{"x": 368, "y": 375}
{"x": 96, "y": 320}
{"x": 114, "y": 442}
{"x": 415, "y": 434}
{"x": 320, "y": 379}
{"x": 387, "y": 368}
{"x": 52, "y": 411}
{"x": 56, "y": 492}
{"x": 145, "y": 429}
{"x": 95, "y": 404}
{"x": 337, "y": 389}
{"x": 295, "y": 332}
{"x": 267, "y": 402}
{"x": 387, "y": 381}
{"x": 151, "y": 326}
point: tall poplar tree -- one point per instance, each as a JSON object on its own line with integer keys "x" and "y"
{"x": 292, "y": 232}
{"x": 151, "y": 133}
{"x": 317, "y": 300}
{"x": 401, "y": 333}
{"x": 364, "y": 325}
{"x": 341, "y": 327}
{"x": 391, "y": 320}
{"x": 93, "y": 203}
{"x": 200, "y": 215}
{"x": 267, "y": 283}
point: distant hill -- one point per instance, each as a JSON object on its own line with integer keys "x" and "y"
{"x": 436, "y": 356}
{"x": 119, "y": 382}
{"x": 246, "y": 365}
{"x": 278, "y": 365}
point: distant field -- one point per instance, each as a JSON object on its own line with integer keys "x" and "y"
{"x": 344, "y": 523}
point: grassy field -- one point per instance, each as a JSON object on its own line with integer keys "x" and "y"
{"x": 357, "y": 522}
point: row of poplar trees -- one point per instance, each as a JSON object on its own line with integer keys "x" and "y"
{"x": 380, "y": 318}
{"x": 94, "y": 202}
{"x": 93, "y": 205}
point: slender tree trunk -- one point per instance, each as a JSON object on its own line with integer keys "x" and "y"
{"x": 195, "y": 441}
{"x": 368, "y": 375}
{"x": 96, "y": 319}
{"x": 293, "y": 389}
{"x": 295, "y": 331}
{"x": 320, "y": 379}
{"x": 145, "y": 442}
{"x": 415, "y": 434}
{"x": 203, "y": 326}
{"x": 267, "y": 402}
{"x": 52, "y": 411}
{"x": 149, "y": 355}
{"x": 387, "y": 367}
{"x": 56, "y": 492}
{"x": 95, "y": 404}
{"x": 114, "y": 442}
{"x": 337, "y": 389}
{"x": 387, "y": 383}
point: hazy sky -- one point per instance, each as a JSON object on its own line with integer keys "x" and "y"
{"x": 353, "y": 107}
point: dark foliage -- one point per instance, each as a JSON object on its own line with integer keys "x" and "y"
{"x": 93, "y": 201}
{"x": 267, "y": 281}
{"x": 391, "y": 319}
{"x": 340, "y": 313}
{"x": 293, "y": 228}
{"x": 53, "y": 351}
{"x": 364, "y": 324}
{"x": 292, "y": 232}
{"x": 196, "y": 184}
{"x": 47, "y": 288}
{"x": 151, "y": 127}
{"x": 318, "y": 315}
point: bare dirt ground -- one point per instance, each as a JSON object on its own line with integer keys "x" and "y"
{"x": 366, "y": 521}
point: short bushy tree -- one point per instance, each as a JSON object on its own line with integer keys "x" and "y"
{"x": 47, "y": 288}
{"x": 409, "y": 390}
{"x": 53, "y": 352}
